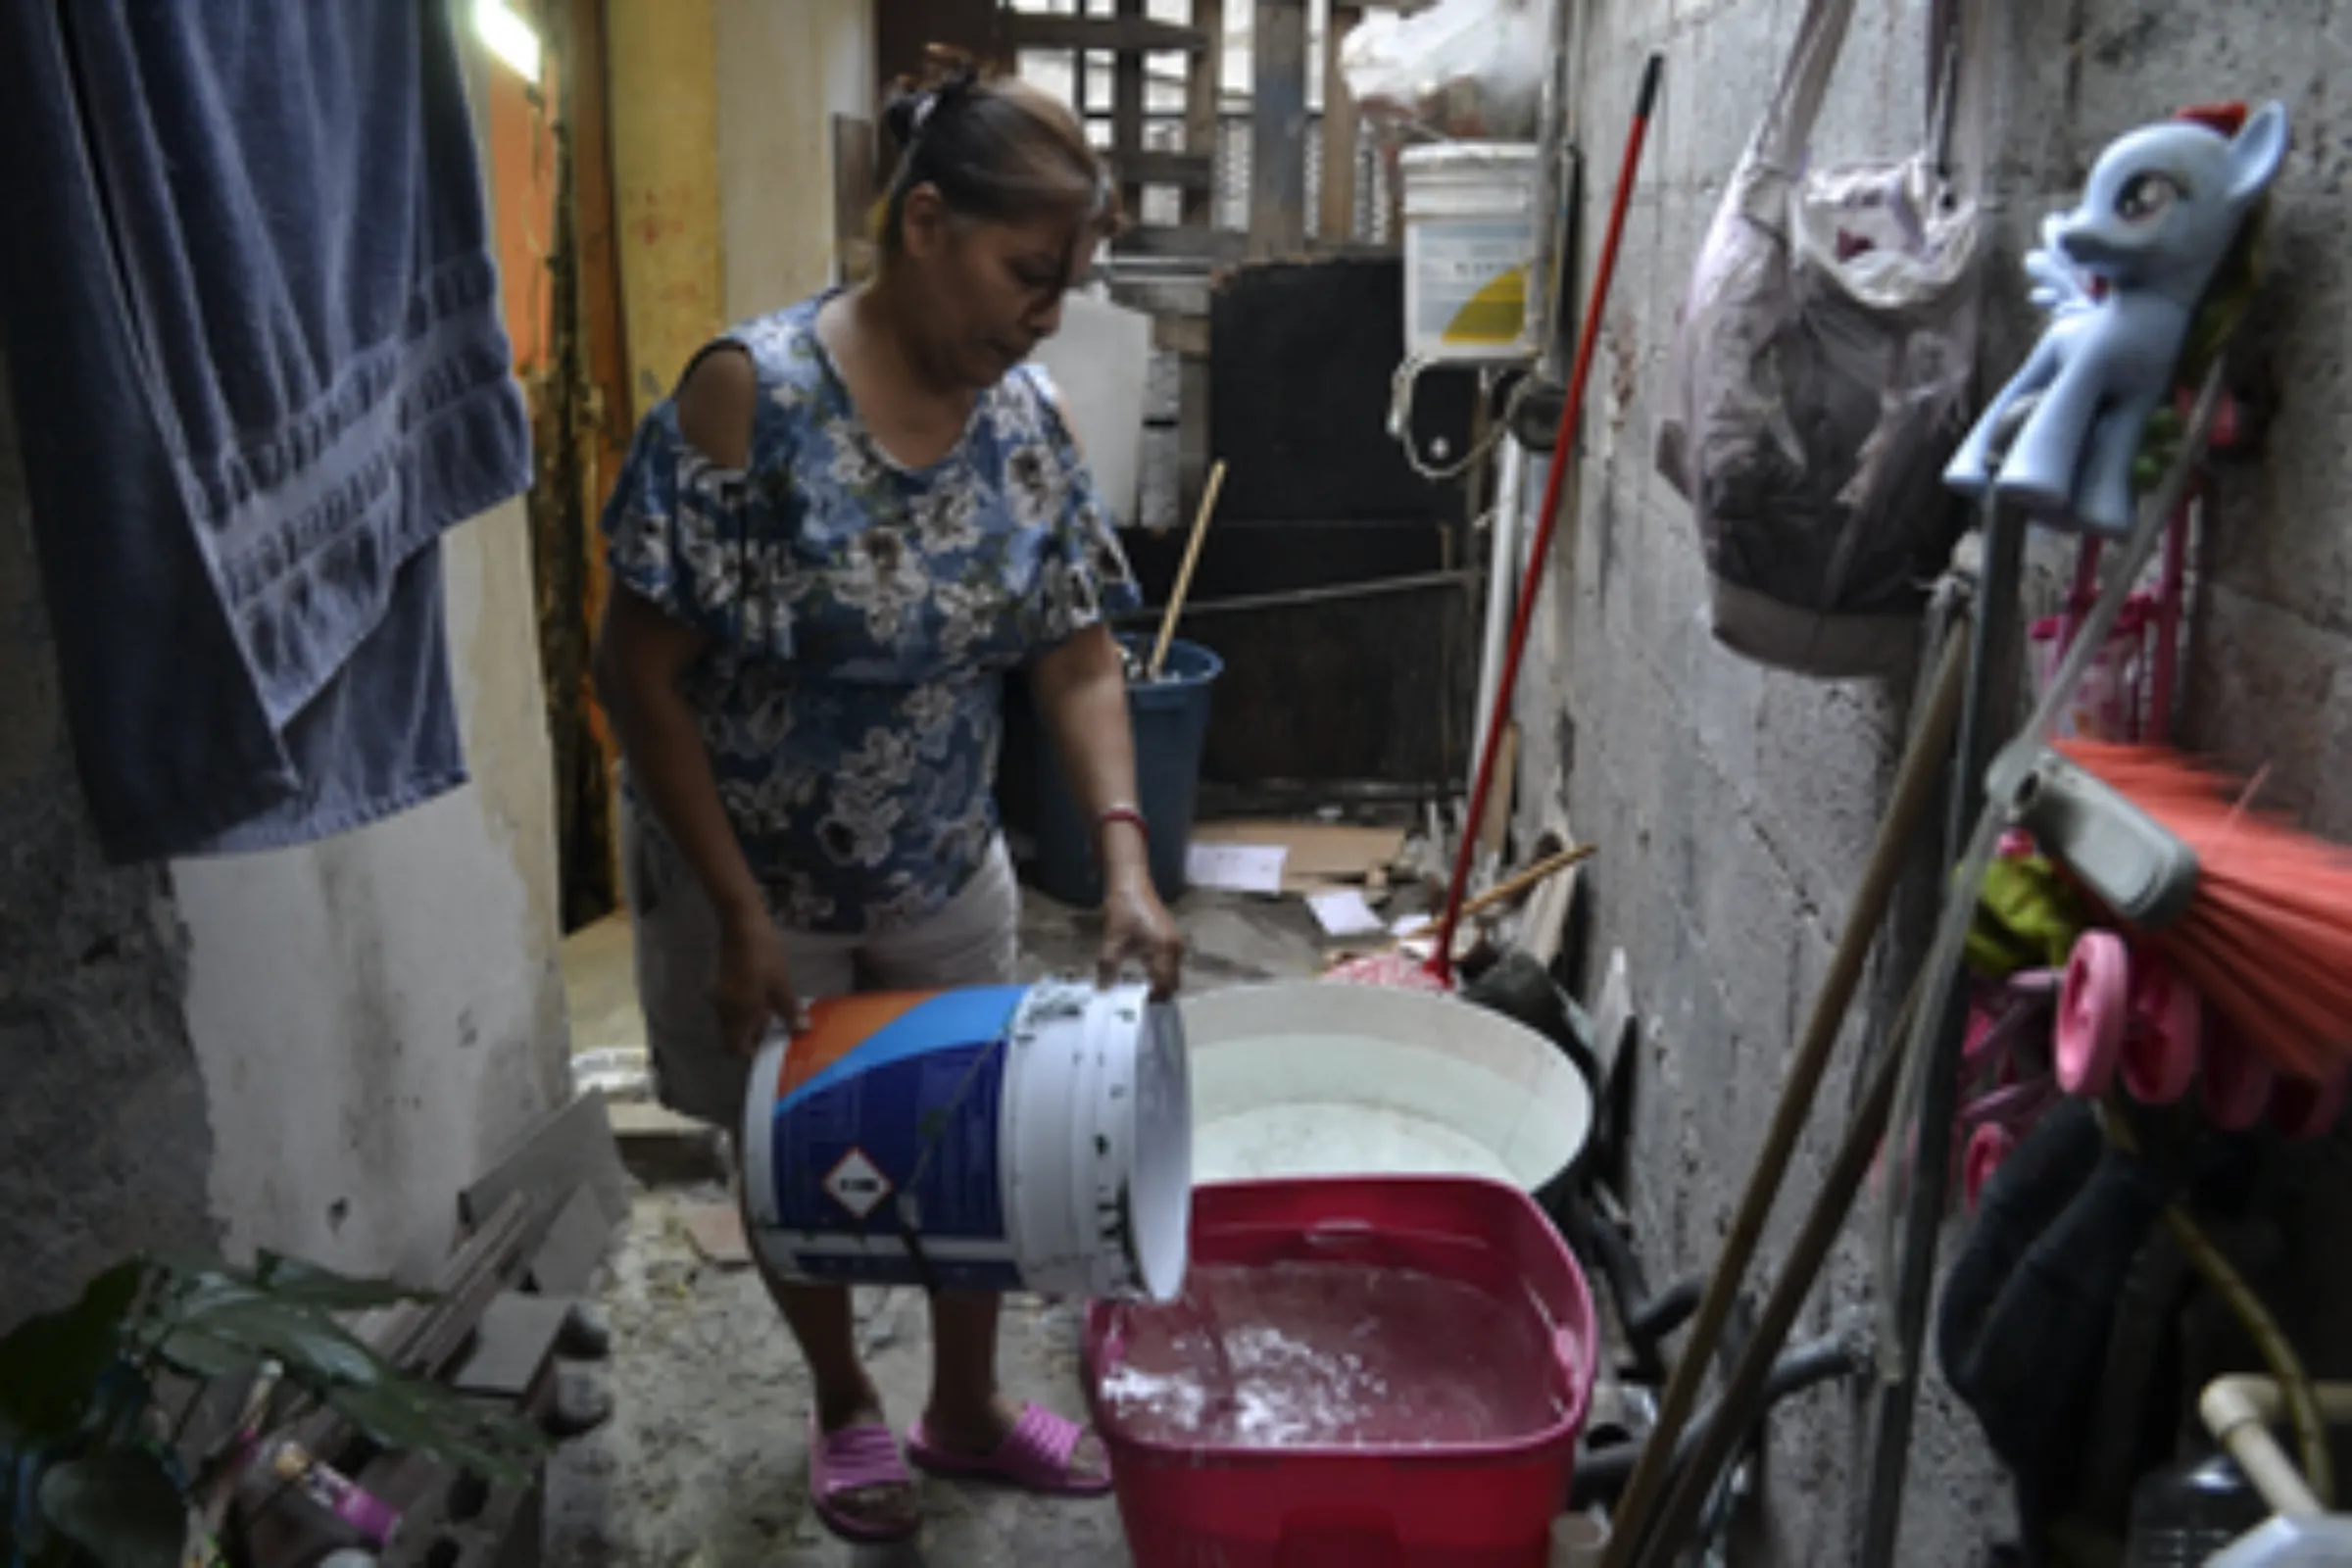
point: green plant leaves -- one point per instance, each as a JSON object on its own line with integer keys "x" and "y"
{"x": 194, "y": 1353}
{"x": 290, "y": 1278}
{"x": 428, "y": 1420}
{"x": 50, "y": 1365}
{"x": 312, "y": 1346}
{"x": 119, "y": 1507}
{"x": 67, "y": 1376}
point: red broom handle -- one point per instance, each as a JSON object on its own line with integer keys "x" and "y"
{"x": 1440, "y": 963}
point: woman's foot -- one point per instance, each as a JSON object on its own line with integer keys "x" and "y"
{"x": 857, "y": 1481}
{"x": 1025, "y": 1446}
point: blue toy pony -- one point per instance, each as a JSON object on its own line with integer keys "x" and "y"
{"x": 2121, "y": 275}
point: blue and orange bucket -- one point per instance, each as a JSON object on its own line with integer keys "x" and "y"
{"x": 1006, "y": 1137}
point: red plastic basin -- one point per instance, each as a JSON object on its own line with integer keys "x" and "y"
{"x": 1467, "y": 1505}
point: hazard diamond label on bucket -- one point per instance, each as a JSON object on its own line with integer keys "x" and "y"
{"x": 856, "y": 1184}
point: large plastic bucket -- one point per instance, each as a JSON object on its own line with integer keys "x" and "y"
{"x": 1170, "y": 720}
{"x": 1367, "y": 1505}
{"x": 1003, "y": 1138}
{"x": 1469, "y": 248}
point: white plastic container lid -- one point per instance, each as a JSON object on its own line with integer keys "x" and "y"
{"x": 2321, "y": 1541}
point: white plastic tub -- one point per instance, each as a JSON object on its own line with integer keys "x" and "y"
{"x": 1305, "y": 1078}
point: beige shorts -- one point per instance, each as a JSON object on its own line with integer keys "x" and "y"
{"x": 975, "y": 940}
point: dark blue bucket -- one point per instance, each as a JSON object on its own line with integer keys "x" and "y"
{"x": 1170, "y": 717}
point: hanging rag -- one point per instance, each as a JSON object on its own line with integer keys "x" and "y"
{"x": 1819, "y": 373}
{"x": 252, "y": 330}
{"x": 2031, "y": 1301}
{"x": 2028, "y": 917}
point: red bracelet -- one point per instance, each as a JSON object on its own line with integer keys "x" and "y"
{"x": 1124, "y": 814}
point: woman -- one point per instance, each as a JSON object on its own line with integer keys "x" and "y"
{"x": 851, "y": 520}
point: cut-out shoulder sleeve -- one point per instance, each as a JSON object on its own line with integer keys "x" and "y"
{"x": 1086, "y": 576}
{"x": 676, "y": 528}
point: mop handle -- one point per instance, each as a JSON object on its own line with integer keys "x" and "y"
{"x": 1183, "y": 573}
{"x": 1440, "y": 963}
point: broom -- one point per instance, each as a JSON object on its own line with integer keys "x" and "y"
{"x": 1396, "y": 969}
{"x": 2267, "y": 936}
{"x": 1438, "y": 971}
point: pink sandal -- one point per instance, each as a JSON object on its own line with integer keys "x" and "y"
{"x": 1034, "y": 1457}
{"x": 855, "y": 1459}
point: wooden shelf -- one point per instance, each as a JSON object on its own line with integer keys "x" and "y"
{"x": 1025, "y": 30}
{"x": 1193, "y": 171}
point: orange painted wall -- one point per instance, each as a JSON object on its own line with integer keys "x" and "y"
{"x": 522, "y": 173}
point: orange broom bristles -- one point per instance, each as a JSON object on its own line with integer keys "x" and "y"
{"x": 2268, "y": 939}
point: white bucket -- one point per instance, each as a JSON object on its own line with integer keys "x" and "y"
{"x": 1469, "y": 249}
{"x": 1005, "y": 1137}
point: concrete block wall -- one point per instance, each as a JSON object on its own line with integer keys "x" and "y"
{"x": 105, "y": 1140}
{"x": 1734, "y": 805}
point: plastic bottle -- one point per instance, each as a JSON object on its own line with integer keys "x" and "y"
{"x": 288, "y": 1464}
{"x": 2183, "y": 1515}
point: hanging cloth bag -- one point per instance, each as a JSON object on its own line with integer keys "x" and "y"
{"x": 1822, "y": 368}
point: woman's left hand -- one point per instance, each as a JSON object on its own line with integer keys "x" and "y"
{"x": 1138, "y": 928}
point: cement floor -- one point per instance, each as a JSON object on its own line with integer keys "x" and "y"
{"x": 705, "y": 1462}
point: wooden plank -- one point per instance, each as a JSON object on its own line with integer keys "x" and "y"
{"x": 1140, "y": 168}
{"x": 1204, "y": 77}
{"x": 567, "y": 1261}
{"x": 1029, "y": 29}
{"x": 903, "y": 30}
{"x": 1495, "y": 825}
{"x": 476, "y": 1273}
{"x": 1203, "y": 244}
{"x": 573, "y": 1145}
{"x": 1277, "y": 130}
{"x": 587, "y": 104}
{"x": 1127, "y": 112}
{"x": 1187, "y": 335}
{"x": 421, "y": 1339}
{"x": 513, "y": 1344}
{"x": 1318, "y": 855}
{"x": 1339, "y": 131}
{"x": 659, "y": 1145}
{"x": 855, "y": 193}
{"x": 715, "y": 1229}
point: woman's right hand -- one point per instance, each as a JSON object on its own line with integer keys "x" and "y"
{"x": 752, "y": 988}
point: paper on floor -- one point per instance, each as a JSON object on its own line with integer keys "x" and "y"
{"x": 1343, "y": 912}
{"x": 1237, "y": 867}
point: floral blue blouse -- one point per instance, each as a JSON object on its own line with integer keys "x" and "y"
{"x": 861, "y": 616}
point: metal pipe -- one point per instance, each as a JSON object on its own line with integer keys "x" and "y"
{"x": 1503, "y": 582}
{"x": 1290, "y": 598}
{"x": 1915, "y": 789}
{"x": 1817, "y": 1361}
{"x": 2239, "y": 1411}
{"x": 1928, "y": 1062}
{"x": 1743, "y": 1397}
{"x": 1991, "y": 641}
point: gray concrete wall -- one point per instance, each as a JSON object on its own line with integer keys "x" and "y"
{"x": 1734, "y": 805}
{"x": 105, "y": 1142}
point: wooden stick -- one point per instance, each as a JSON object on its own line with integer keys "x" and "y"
{"x": 1510, "y": 888}
{"x": 1918, "y": 781}
{"x": 1742, "y": 1402}
{"x": 1183, "y": 573}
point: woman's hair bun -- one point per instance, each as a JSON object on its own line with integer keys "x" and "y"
{"x": 901, "y": 111}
